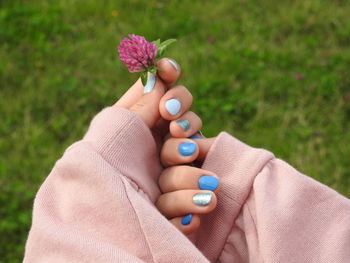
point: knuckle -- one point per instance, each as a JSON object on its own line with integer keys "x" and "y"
{"x": 174, "y": 178}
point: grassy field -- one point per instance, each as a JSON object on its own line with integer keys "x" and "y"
{"x": 275, "y": 74}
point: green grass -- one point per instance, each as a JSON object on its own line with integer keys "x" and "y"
{"x": 273, "y": 73}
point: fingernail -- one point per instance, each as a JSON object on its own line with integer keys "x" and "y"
{"x": 151, "y": 81}
{"x": 207, "y": 182}
{"x": 173, "y": 106}
{"x": 187, "y": 148}
{"x": 175, "y": 65}
{"x": 186, "y": 220}
{"x": 202, "y": 199}
{"x": 194, "y": 137}
{"x": 184, "y": 124}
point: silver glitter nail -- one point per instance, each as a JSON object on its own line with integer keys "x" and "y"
{"x": 202, "y": 199}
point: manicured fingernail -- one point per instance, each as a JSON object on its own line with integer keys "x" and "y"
{"x": 173, "y": 106}
{"x": 187, "y": 148}
{"x": 207, "y": 182}
{"x": 175, "y": 65}
{"x": 151, "y": 81}
{"x": 186, "y": 220}
{"x": 202, "y": 199}
{"x": 184, "y": 124}
{"x": 194, "y": 137}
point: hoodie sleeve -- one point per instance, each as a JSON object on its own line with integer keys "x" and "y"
{"x": 97, "y": 204}
{"x": 269, "y": 212}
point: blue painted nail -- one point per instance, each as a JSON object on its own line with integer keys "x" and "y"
{"x": 207, "y": 182}
{"x": 184, "y": 124}
{"x": 175, "y": 65}
{"x": 194, "y": 137}
{"x": 187, "y": 148}
{"x": 173, "y": 106}
{"x": 186, "y": 220}
{"x": 151, "y": 81}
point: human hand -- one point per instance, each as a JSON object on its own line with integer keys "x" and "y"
{"x": 178, "y": 183}
{"x": 187, "y": 191}
{"x": 162, "y": 103}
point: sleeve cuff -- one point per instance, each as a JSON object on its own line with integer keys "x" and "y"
{"x": 237, "y": 164}
{"x": 128, "y": 145}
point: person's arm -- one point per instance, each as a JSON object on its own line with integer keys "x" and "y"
{"x": 269, "y": 212}
{"x": 97, "y": 203}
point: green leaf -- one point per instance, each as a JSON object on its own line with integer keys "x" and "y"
{"x": 164, "y": 45}
{"x": 144, "y": 78}
{"x": 153, "y": 71}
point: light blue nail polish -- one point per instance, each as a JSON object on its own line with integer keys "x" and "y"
{"x": 186, "y": 220}
{"x": 173, "y": 106}
{"x": 202, "y": 199}
{"x": 194, "y": 137}
{"x": 207, "y": 182}
{"x": 187, "y": 148}
{"x": 172, "y": 62}
{"x": 184, "y": 124}
{"x": 151, "y": 81}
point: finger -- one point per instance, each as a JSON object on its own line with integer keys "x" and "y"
{"x": 133, "y": 94}
{"x": 187, "y": 224}
{"x": 183, "y": 177}
{"x": 182, "y": 202}
{"x": 188, "y": 124}
{"x": 175, "y": 102}
{"x": 204, "y": 145}
{"x": 178, "y": 151}
{"x": 169, "y": 70}
{"x": 167, "y": 73}
{"x": 159, "y": 131}
{"x": 147, "y": 106}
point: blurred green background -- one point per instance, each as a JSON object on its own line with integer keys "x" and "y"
{"x": 273, "y": 73}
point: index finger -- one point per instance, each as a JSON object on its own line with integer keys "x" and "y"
{"x": 169, "y": 71}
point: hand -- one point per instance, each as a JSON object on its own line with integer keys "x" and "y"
{"x": 178, "y": 182}
{"x": 181, "y": 184}
{"x": 153, "y": 107}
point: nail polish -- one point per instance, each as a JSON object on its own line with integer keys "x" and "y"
{"x": 184, "y": 124}
{"x": 175, "y": 65}
{"x": 202, "y": 199}
{"x": 173, "y": 106}
{"x": 151, "y": 81}
{"x": 207, "y": 182}
{"x": 186, "y": 220}
{"x": 194, "y": 137}
{"x": 187, "y": 148}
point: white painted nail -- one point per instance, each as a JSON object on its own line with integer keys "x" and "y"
{"x": 151, "y": 81}
{"x": 173, "y": 106}
{"x": 175, "y": 65}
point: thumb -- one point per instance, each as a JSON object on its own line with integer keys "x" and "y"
{"x": 147, "y": 106}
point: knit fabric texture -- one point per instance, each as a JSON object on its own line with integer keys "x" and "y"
{"x": 97, "y": 205}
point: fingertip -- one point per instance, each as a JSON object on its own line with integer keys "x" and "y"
{"x": 169, "y": 70}
{"x": 187, "y": 224}
{"x": 178, "y": 151}
{"x": 147, "y": 106}
{"x": 175, "y": 102}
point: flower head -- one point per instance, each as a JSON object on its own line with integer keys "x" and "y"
{"x": 137, "y": 53}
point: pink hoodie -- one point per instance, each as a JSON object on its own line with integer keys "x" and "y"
{"x": 97, "y": 205}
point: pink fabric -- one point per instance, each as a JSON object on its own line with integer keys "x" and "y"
{"x": 97, "y": 205}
